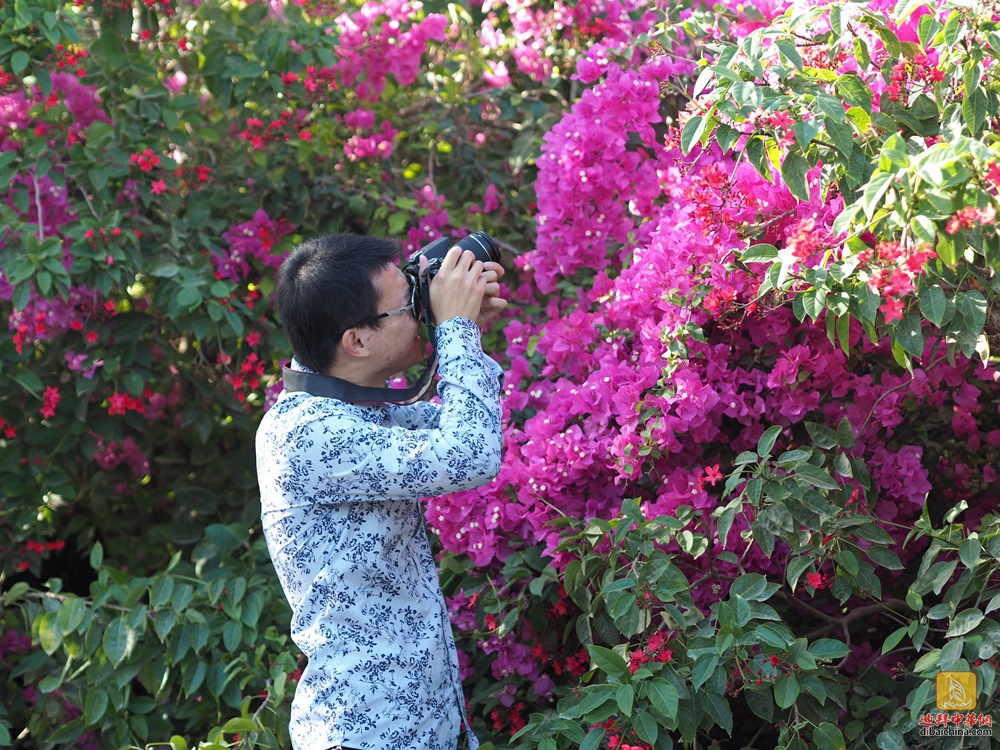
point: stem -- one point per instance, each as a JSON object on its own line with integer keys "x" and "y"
{"x": 854, "y": 614}
{"x": 38, "y": 206}
{"x": 89, "y": 204}
{"x": 267, "y": 699}
{"x": 889, "y": 391}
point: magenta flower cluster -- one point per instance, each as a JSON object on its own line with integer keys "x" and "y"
{"x": 609, "y": 391}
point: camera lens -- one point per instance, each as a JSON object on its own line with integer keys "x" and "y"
{"x": 482, "y": 246}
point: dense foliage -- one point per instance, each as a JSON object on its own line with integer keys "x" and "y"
{"x": 751, "y": 408}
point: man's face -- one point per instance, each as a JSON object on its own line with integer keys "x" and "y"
{"x": 397, "y": 345}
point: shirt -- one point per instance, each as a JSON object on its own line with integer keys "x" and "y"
{"x": 340, "y": 485}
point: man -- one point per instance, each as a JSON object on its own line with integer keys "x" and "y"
{"x": 340, "y": 484}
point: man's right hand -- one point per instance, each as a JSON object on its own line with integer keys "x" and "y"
{"x": 458, "y": 287}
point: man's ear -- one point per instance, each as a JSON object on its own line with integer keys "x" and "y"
{"x": 354, "y": 343}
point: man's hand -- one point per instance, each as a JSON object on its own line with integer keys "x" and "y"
{"x": 492, "y": 304}
{"x": 459, "y": 286}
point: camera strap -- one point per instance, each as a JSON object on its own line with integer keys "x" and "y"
{"x": 328, "y": 386}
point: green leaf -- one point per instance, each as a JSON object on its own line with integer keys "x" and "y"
{"x": 645, "y": 726}
{"x": 786, "y": 691}
{"x": 71, "y": 614}
{"x": 193, "y": 676}
{"x": 704, "y": 667}
{"x": 829, "y": 649}
{"x": 796, "y": 567}
{"x": 815, "y": 476}
{"x": 159, "y": 593}
{"x": 607, "y": 660}
{"x": 787, "y": 48}
{"x": 15, "y": 592}
{"x": 96, "y": 555}
{"x": 775, "y": 635}
{"x": 19, "y": 61}
{"x": 884, "y": 557}
{"x": 718, "y": 708}
{"x": 910, "y": 335}
{"x": 232, "y": 634}
{"x": 118, "y": 641}
{"x": 664, "y": 697}
{"x": 625, "y": 697}
{"x": 752, "y": 586}
{"x": 933, "y": 303}
{"x": 893, "y": 640}
{"x": 969, "y": 553}
{"x": 891, "y": 739}
{"x": 593, "y": 739}
{"x": 67, "y": 733}
{"x": 905, "y": 9}
{"x": 178, "y": 743}
{"x": 975, "y": 108}
{"x": 871, "y": 196}
{"x": 693, "y": 130}
{"x": 29, "y": 381}
{"x": 828, "y": 737}
{"x": 759, "y": 253}
{"x": 821, "y": 435}
{"x": 794, "y": 171}
{"x": 972, "y": 305}
{"x": 94, "y": 706}
{"x": 855, "y": 92}
{"x": 946, "y": 250}
{"x": 964, "y": 622}
{"x": 767, "y": 440}
{"x": 240, "y": 725}
{"x": 49, "y": 634}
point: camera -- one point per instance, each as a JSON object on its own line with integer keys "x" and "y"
{"x": 482, "y": 246}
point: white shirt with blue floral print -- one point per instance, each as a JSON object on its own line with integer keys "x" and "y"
{"x": 340, "y": 485}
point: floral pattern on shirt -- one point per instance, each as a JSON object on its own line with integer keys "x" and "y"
{"x": 340, "y": 487}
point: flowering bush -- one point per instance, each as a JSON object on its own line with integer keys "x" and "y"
{"x": 751, "y": 414}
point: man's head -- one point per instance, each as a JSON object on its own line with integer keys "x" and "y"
{"x": 335, "y": 284}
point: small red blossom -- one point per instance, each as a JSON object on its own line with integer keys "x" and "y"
{"x": 712, "y": 474}
{"x": 158, "y": 187}
{"x": 892, "y": 309}
{"x": 146, "y": 160}
{"x": 50, "y": 400}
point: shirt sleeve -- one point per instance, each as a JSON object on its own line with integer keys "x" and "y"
{"x": 368, "y": 461}
{"x": 421, "y": 415}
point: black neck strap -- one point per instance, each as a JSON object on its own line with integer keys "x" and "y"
{"x": 328, "y": 386}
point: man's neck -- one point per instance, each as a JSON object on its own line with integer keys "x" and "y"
{"x": 358, "y": 376}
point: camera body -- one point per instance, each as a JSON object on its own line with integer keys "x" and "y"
{"x": 482, "y": 246}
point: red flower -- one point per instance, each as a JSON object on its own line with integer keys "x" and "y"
{"x": 712, "y": 474}
{"x": 50, "y": 401}
{"x": 815, "y": 580}
{"x": 158, "y": 187}
{"x": 993, "y": 172}
{"x": 893, "y": 310}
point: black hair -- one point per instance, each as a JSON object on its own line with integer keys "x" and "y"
{"x": 325, "y": 287}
